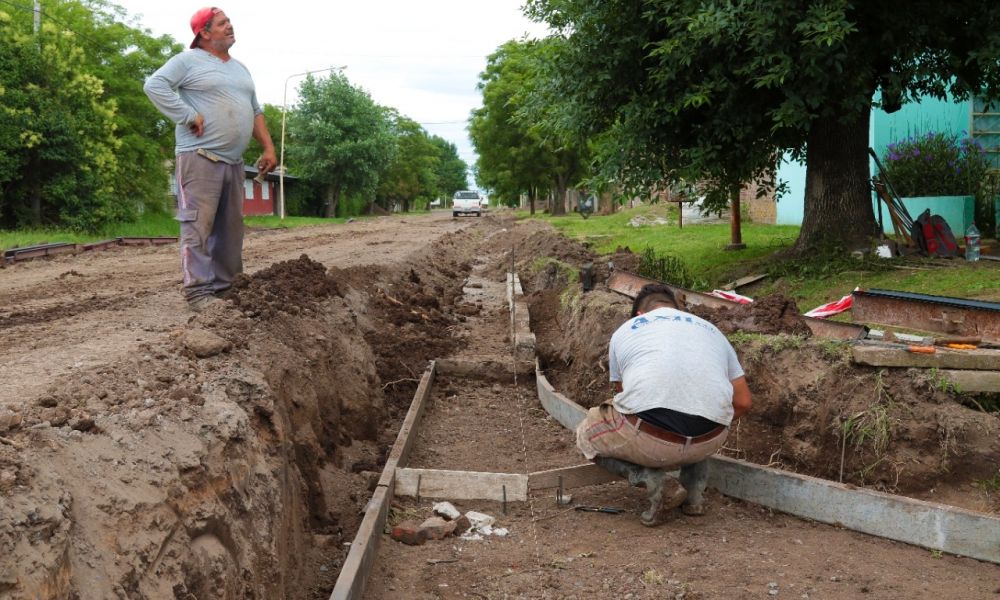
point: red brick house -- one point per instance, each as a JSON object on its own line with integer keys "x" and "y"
{"x": 258, "y": 198}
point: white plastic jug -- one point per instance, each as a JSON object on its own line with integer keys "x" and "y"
{"x": 972, "y": 243}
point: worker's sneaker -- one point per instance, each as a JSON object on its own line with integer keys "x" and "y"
{"x": 201, "y": 303}
{"x": 693, "y": 510}
{"x": 665, "y": 494}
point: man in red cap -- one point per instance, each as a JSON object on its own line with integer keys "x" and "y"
{"x": 211, "y": 98}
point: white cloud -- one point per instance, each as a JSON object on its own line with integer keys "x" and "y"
{"x": 422, "y": 58}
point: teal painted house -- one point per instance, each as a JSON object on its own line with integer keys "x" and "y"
{"x": 912, "y": 119}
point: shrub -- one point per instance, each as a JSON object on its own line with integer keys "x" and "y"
{"x": 936, "y": 164}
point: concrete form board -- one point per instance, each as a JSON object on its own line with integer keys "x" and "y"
{"x": 973, "y": 381}
{"x": 354, "y": 574}
{"x": 946, "y": 528}
{"x": 562, "y": 409}
{"x": 461, "y": 485}
{"x": 942, "y": 358}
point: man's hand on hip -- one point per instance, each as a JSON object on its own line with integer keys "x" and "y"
{"x": 197, "y": 126}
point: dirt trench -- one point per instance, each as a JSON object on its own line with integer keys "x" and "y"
{"x": 229, "y": 454}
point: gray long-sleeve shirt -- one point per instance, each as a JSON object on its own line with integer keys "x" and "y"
{"x": 223, "y": 92}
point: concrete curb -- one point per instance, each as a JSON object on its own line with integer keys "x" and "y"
{"x": 935, "y": 526}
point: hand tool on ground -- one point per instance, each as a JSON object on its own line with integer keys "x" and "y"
{"x": 601, "y": 509}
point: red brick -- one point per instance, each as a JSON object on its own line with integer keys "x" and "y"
{"x": 410, "y": 533}
{"x": 436, "y": 528}
{"x": 462, "y": 524}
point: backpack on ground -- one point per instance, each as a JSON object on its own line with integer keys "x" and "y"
{"x": 932, "y": 236}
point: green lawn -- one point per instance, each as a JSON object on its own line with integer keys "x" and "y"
{"x": 149, "y": 225}
{"x": 810, "y": 282}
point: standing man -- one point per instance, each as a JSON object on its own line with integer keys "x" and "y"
{"x": 679, "y": 385}
{"x": 210, "y": 96}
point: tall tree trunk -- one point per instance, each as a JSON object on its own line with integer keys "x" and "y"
{"x": 559, "y": 196}
{"x": 838, "y": 202}
{"x": 735, "y": 227}
{"x": 332, "y": 198}
{"x": 531, "y": 200}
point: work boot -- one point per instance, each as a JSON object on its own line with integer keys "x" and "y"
{"x": 200, "y": 303}
{"x": 694, "y": 478}
{"x": 661, "y": 499}
{"x": 654, "y": 480}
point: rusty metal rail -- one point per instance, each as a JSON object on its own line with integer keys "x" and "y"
{"x": 943, "y": 314}
{"x": 629, "y": 284}
{"x": 42, "y": 250}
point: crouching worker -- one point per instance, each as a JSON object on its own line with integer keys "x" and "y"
{"x": 679, "y": 385}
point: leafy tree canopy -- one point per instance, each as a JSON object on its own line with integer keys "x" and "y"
{"x": 717, "y": 91}
{"x": 343, "y": 141}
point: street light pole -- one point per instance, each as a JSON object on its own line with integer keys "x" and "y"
{"x": 281, "y": 160}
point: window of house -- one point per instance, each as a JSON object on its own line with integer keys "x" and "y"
{"x": 986, "y": 128}
{"x": 248, "y": 189}
{"x": 265, "y": 190}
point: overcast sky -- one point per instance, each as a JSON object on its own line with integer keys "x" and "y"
{"x": 422, "y": 58}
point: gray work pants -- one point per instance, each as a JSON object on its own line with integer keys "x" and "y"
{"x": 210, "y": 211}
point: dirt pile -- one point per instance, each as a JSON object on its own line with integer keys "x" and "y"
{"x": 768, "y": 315}
{"x": 232, "y": 455}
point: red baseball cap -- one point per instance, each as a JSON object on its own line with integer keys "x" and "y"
{"x": 200, "y": 19}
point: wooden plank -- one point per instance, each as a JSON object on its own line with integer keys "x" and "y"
{"x": 404, "y": 439}
{"x": 572, "y": 477}
{"x": 354, "y": 574}
{"x": 973, "y": 381}
{"x": 400, "y": 452}
{"x": 926, "y": 524}
{"x": 461, "y": 485}
{"x": 878, "y": 356}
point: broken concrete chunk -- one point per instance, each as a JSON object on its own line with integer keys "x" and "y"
{"x": 204, "y": 344}
{"x": 410, "y": 533}
{"x": 478, "y": 520}
{"x": 436, "y": 528}
{"x": 446, "y": 510}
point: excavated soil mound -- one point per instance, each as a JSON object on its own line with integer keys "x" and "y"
{"x": 231, "y": 456}
{"x": 768, "y": 315}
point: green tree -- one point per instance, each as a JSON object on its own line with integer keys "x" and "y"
{"x": 343, "y": 140}
{"x": 412, "y": 175}
{"x": 512, "y": 159}
{"x": 718, "y": 90}
{"x": 451, "y": 169}
{"x": 123, "y": 56}
{"x": 59, "y": 131}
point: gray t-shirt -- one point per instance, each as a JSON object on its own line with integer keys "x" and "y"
{"x": 197, "y": 81}
{"x": 667, "y": 358}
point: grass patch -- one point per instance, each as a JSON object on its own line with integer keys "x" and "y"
{"x": 991, "y": 485}
{"x": 810, "y": 281}
{"x": 148, "y": 225}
